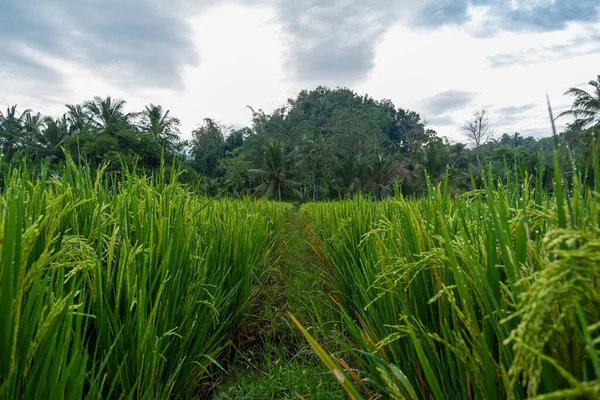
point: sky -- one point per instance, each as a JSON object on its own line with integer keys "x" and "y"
{"x": 211, "y": 59}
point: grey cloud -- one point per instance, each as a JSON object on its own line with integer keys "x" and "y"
{"x": 436, "y": 14}
{"x": 578, "y": 46}
{"x": 135, "y": 42}
{"x": 552, "y": 17}
{"x": 26, "y": 75}
{"x": 509, "y": 59}
{"x": 501, "y": 15}
{"x": 516, "y": 110}
{"x": 450, "y": 100}
{"x": 444, "y": 120}
{"x": 512, "y": 114}
{"x": 334, "y": 40}
{"x": 24, "y": 66}
{"x": 148, "y": 42}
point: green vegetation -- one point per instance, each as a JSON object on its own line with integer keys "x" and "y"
{"x": 155, "y": 268}
{"x": 323, "y": 144}
{"x": 492, "y": 294}
{"x": 274, "y": 361}
{"x": 132, "y": 289}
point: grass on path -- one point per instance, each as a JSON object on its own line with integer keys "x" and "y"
{"x": 274, "y": 360}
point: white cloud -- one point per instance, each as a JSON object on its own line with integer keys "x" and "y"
{"x": 241, "y": 64}
{"x": 244, "y": 59}
{"x": 412, "y": 68}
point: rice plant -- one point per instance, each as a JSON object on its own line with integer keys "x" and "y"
{"x": 128, "y": 289}
{"x": 493, "y": 294}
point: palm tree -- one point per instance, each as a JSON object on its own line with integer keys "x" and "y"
{"x": 158, "y": 123}
{"x": 274, "y": 171}
{"x": 410, "y": 129}
{"x": 11, "y": 131}
{"x": 33, "y": 124}
{"x": 313, "y": 153}
{"x": 78, "y": 118}
{"x": 350, "y": 171}
{"x": 586, "y": 107}
{"x": 435, "y": 159}
{"x": 48, "y": 141}
{"x": 107, "y": 115}
{"x": 382, "y": 170}
{"x": 586, "y": 112}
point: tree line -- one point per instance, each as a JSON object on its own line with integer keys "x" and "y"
{"x": 323, "y": 144}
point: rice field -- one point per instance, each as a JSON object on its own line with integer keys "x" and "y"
{"x": 138, "y": 288}
{"x": 131, "y": 289}
{"x": 492, "y": 294}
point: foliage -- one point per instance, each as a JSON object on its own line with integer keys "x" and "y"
{"x": 274, "y": 171}
{"x": 474, "y": 274}
{"x": 273, "y": 359}
{"x": 131, "y": 288}
{"x": 158, "y": 123}
{"x": 492, "y": 294}
{"x": 337, "y": 143}
{"x": 586, "y": 113}
{"x": 586, "y": 106}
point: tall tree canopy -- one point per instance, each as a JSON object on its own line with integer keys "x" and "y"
{"x": 586, "y": 105}
{"x": 322, "y": 144}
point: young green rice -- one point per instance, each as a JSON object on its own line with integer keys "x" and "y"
{"x": 129, "y": 289}
{"x": 493, "y": 294}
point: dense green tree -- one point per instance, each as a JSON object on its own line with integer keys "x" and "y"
{"x": 382, "y": 171}
{"x": 313, "y": 159}
{"x": 436, "y": 158}
{"x": 235, "y": 139}
{"x": 514, "y": 140}
{"x": 33, "y": 124}
{"x": 107, "y": 115}
{"x": 410, "y": 131}
{"x": 273, "y": 172}
{"x": 323, "y": 143}
{"x": 207, "y": 147}
{"x": 586, "y": 106}
{"x": 79, "y": 119}
{"x": 48, "y": 141}
{"x": 235, "y": 169}
{"x": 12, "y": 128}
{"x": 158, "y": 123}
{"x": 586, "y": 114}
{"x": 100, "y": 130}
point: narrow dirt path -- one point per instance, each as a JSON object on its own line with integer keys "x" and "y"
{"x": 276, "y": 362}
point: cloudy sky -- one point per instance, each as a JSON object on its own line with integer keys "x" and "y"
{"x": 210, "y": 58}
